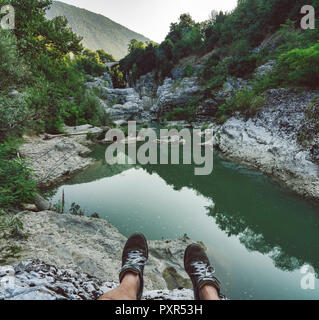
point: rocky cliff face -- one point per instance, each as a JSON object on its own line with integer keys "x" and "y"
{"x": 270, "y": 141}
{"x": 124, "y": 104}
{"x": 176, "y": 94}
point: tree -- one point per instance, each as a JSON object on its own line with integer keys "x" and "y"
{"x": 104, "y": 56}
{"x": 212, "y": 17}
{"x": 177, "y": 30}
{"x": 134, "y": 44}
{"x": 92, "y": 55}
{"x": 12, "y": 68}
{"x": 37, "y": 35}
{"x": 186, "y": 21}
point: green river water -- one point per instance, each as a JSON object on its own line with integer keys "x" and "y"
{"x": 258, "y": 234}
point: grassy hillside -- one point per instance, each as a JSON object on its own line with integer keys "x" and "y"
{"x": 98, "y": 32}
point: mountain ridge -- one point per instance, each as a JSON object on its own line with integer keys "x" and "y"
{"x": 98, "y": 31}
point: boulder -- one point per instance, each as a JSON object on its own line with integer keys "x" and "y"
{"x": 101, "y": 82}
{"x": 264, "y": 69}
{"x": 128, "y": 111}
{"x": 208, "y": 107}
{"x": 120, "y": 123}
{"x": 123, "y": 104}
{"x": 146, "y": 85}
{"x": 83, "y": 128}
{"x": 177, "y": 93}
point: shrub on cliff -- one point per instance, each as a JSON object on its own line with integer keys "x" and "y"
{"x": 246, "y": 101}
{"x": 90, "y": 62}
{"x": 187, "y": 113}
{"x": 90, "y": 66}
{"x": 300, "y": 66}
{"x": 92, "y": 109}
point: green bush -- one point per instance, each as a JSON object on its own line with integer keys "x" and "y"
{"x": 118, "y": 77}
{"x": 11, "y": 227}
{"x": 261, "y": 84}
{"x": 189, "y": 70}
{"x": 245, "y": 101}
{"x": 241, "y": 67}
{"x": 300, "y": 66}
{"x": 76, "y": 210}
{"x": 16, "y": 182}
{"x": 104, "y": 56}
{"x": 49, "y": 104}
{"x": 215, "y": 76}
{"x": 187, "y": 113}
{"x": 15, "y": 115}
{"x": 64, "y": 98}
{"x": 90, "y": 66}
{"x": 92, "y": 110}
{"x": 297, "y": 67}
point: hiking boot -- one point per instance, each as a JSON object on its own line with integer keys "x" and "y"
{"x": 135, "y": 255}
{"x": 199, "y": 269}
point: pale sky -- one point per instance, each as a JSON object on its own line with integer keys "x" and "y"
{"x": 152, "y": 18}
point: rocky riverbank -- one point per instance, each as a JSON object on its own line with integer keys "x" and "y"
{"x": 54, "y": 160}
{"x": 79, "y": 257}
{"x": 270, "y": 141}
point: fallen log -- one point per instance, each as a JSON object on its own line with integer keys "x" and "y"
{"x": 97, "y": 132}
{"x": 52, "y": 136}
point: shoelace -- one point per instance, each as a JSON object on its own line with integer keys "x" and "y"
{"x": 135, "y": 258}
{"x": 204, "y": 272}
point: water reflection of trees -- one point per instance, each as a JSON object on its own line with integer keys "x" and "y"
{"x": 256, "y": 242}
{"x": 291, "y": 240}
